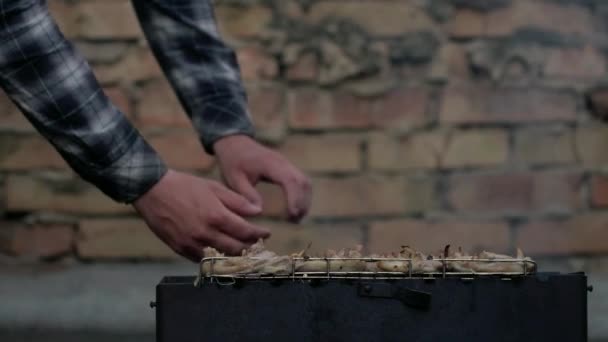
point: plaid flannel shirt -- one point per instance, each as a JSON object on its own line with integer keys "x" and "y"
{"x": 54, "y": 87}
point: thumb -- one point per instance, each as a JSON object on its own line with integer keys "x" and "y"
{"x": 236, "y": 203}
{"x": 241, "y": 184}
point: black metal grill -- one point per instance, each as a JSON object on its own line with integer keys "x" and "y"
{"x": 539, "y": 307}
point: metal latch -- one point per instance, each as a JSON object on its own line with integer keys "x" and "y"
{"x": 409, "y": 297}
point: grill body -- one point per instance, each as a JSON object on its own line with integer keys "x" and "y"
{"x": 542, "y": 307}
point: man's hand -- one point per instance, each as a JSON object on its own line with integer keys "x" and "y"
{"x": 189, "y": 213}
{"x": 244, "y": 163}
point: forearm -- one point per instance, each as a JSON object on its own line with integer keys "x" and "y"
{"x": 201, "y": 68}
{"x": 55, "y": 88}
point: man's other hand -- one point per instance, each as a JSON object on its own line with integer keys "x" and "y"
{"x": 244, "y": 163}
{"x": 189, "y": 213}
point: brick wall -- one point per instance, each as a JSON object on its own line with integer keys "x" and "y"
{"x": 421, "y": 122}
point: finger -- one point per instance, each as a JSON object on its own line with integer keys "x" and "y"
{"x": 235, "y": 202}
{"x": 241, "y": 184}
{"x": 227, "y": 244}
{"x": 296, "y": 188}
{"x": 238, "y": 228}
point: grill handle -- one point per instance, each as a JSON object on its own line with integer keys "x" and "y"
{"x": 412, "y": 298}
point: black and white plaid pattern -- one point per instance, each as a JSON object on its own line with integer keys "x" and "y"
{"x": 55, "y": 88}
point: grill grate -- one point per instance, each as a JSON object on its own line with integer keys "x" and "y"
{"x": 523, "y": 267}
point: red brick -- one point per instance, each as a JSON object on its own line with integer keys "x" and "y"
{"x": 591, "y": 144}
{"x": 120, "y": 239}
{"x": 416, "y": 151}
{"x": 11, "y": 117}
{"x": 267, "y": 106}
{"x": 24, "y": 152}
{"x": 350, "y": 111}
{"x": 516, "y": 193}
{"x": 138, "y": 64}
{"x": 324, "y": 153}
{"x": 106, "y": 20}
{"x": 53, "y": 192}
{"x": 370, "y": 195}
{"x": 586, "y": 63}
{"x": 466, "y": 23}
{"x": 568, "y": 19}
{"x": 255, "y": 64}
{"x": 35, "y": 241}
{"x": 309, "y": 109}
{"x": 432, "y": 237}
{"x": 382, "y": 18}
{"x": 599, "y": 191}
{"x": 474, "y": 104}
{"x": 479, "y": 147}
{"x": 181, "y": 150}
{"x": 451, "y": 63}
{"x": 158, "y": 106}
{"x": 288, "y": 239}
{"x": 306, "y": 68}
{"x": 402, "y": 109}
{"x": 583, "y": 234}
{"x": 120, "y": 99}
{"x": 102, "y": 52}
{"x": 274, "y": 201}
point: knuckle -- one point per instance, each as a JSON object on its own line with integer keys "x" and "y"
{"x": 216, "y": 217}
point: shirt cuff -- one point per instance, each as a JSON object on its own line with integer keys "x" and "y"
{"x": 131, "y": 175}
{"x": 223, "y": 116}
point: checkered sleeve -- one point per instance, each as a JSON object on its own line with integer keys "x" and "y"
{"x": 56, "y": 90}
{"x": 201, "y": 68}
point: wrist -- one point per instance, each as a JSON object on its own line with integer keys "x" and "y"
{"x": 229, "y": 142}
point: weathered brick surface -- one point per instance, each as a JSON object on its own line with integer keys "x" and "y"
{"x": 467, "y": 23}
{"x": 567, "y": 19}
{"x": 138, "y": 64}
{"x": 370, "y": 195}
{"x": 306, "y": 68}
{"x": 432, "y": 237}
{"x": 591, "y": 144}
{"x": 415, "y": 151}
{"x": 516, "y": 192}
{"x": 324, "y": 153}
{"x": 474, "y": 104}
{"x": 461, "y": 110}
{"x": 120, "y": 239}
{"x": 545, "y": 146}
{"x": 106, "y": 20}
{"x": 376, "y": 17}
{"x": 256, "y": 64}
{"x": 268, "y": 111}
{"x": 35, "y": 241}
{"x": 243, "y": 21}
{"x": 582, "y": 63}
{"x": 181, "y": 149}
{"x": 24, "y": 152}
{"x": 10, "y": 116}
{"x": 476, "y": 148}
{"x": 400, "y": 109}
{"x": 58, "y": 193}
{"x": 582, "y": 234}
{"x": 158, "y": 106}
